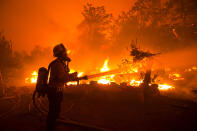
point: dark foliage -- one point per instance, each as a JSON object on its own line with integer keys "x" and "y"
{"x": 139, "y": 54}
{"x": 8, "y": 59}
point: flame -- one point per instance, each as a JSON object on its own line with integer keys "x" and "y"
{"x": 194, "y": 68}
{"x": 105, "y": 66}
{"x": 78, "y": 75}
{"x": 165, "y": 87}
{"x": 71, "y": 83}
{"x": 176, "y": 76}
{"x": 105, "y": 79}
{"x": 135, "y": 82}
{"x": 32, "y": 79}
{"x": 68, "y": 51}
{"x": 135, "y": 70}
{"x": 71, "y": 71}
{"x": 110, "y": 78}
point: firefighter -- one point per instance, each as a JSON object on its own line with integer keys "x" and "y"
{"x": 59, "y": 75}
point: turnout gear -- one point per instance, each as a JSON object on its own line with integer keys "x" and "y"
{"x": 59, "y": 75}
{"x": 61, "y": 52}
{"x": 41, "y": 85}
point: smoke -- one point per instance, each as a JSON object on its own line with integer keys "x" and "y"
{"x": 16, "y": 66}
{"x": 180, "y": 58}
{"x": 184, "y": 62}
{"x": 97, "y": 35}
{"x": 32, "y": 22}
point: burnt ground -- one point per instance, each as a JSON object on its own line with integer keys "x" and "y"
{"x": 109, "y": 108}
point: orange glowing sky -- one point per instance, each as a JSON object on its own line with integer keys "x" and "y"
{"x": 47, "y": 22}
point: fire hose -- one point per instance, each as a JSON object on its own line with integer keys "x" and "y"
{"x": 89, "y": 77}
{"x": 66, "y": 121}
{"x": 115, "y": 71}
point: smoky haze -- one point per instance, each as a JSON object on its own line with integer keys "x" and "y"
{"x": 46, "y": 23}
{"x": 98, "y": 30}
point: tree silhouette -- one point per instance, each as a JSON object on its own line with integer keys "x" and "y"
{"x": 168, "y": 24}
{"x": 96, "y": 26}
{"x": 7, "y": 57}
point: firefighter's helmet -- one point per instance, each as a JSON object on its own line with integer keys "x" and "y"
{"x": 58, "y": 50}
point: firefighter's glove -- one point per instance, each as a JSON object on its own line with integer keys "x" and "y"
{"x": 85, "y": 77}
{"x": 73, "y": 76}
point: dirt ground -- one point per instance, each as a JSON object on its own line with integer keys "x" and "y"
{"x": 104, "y": 107}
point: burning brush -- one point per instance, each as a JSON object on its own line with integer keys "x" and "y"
{"x": 138, "y": 54}
{"x": 135, "y": 73}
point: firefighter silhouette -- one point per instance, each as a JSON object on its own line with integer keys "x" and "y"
{"x": 59, "y": 75}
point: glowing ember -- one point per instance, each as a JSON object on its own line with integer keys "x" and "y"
{"x": 165, "y": 87}
{"x": 104, "y": 81}
{"x": 71, "y": 83}
{"x": 135, "y": 82}
{"x": 175, "y": 76}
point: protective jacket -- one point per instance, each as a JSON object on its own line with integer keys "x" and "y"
{"x": 59, "y": 75}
